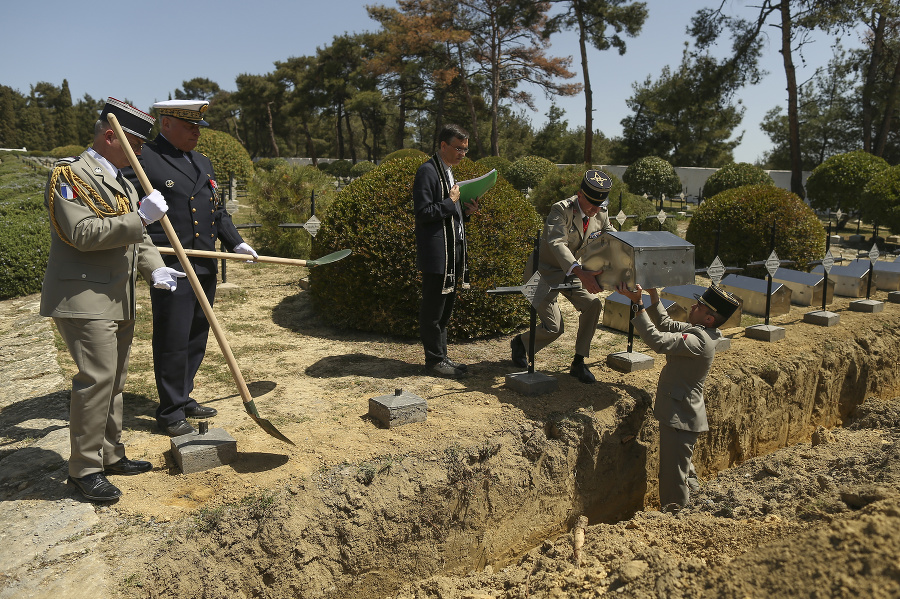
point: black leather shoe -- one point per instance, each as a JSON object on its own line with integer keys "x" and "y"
{"x": 200, "y": 412}
{"x": 177, "y": 428}
{"x": 126, "y": 466}
{"x": 581, "y": 372}
{"x": 457, "y": 365}
{"x": 519, "y": 355}
{"x": 95, "y": 487}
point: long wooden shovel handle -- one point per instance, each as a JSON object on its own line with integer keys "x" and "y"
{"x": 185, "y": 266}
{"x": 233, "y": 256}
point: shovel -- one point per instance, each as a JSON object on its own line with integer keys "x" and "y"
{"x": 249, "y": 406}
{"x": 332, "y": 257}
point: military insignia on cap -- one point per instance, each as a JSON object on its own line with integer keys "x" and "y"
{"x": 170, "y": 183}
{"x": 595, "y": 186}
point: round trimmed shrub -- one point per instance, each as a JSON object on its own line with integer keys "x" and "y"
{"x": 269, "y": 164}
{"x": 283, "y": 195}
{"x": 66, "y": 151}
{"x": 880, "y": 200}
{"x": 746, "y": 215}
{"x": 499, "y": 163}
{"x": 337, "y": 168}
{"x": 654, "y": 176}
{"x": 839, "y": 181}
{"x": 361, "y": 168}
{"x": 228, "y": 156}
{"x": 528, "y": 171}
{"x": 735, "y": 175}
{"x": 377, "y": 288}
{"x": 406, "y": 153}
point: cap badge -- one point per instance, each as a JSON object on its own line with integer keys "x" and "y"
{"x": 600, "y": 179}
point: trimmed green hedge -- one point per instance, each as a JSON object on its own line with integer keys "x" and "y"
{"x": 839, "y": 181}
{"x": 227, "y": 155}
{"x": 880, "y": 201}
{"x": 24, "y": 228}
{"x": 528, "y": 171}
{"x": 361, "y": 168}
{"x": 746, "y": 215}
{"x": 499, "y": 163}
{"x": 377, "y": 287}
{"x": 406, "y": 153}
{"x": 735, "y": 175}
{"x": 654, "y": 176}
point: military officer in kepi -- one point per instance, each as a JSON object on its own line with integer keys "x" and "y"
{"x": 180, "y": 328}
{"x": 689, "y": 348}
{"x": 98, "y": 244}
{"x": 571, "y": 226}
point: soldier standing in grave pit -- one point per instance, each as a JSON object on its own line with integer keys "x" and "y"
{"x": 689, "y": 349}
{"x": 180, "y": 328}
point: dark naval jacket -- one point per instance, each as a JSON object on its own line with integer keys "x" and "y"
{"x": 195, "y": 211}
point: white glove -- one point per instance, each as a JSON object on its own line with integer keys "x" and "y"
{"x": 153, "y": 207}
{"x": 243, "y": 248}
{"x": 164, "y": 278}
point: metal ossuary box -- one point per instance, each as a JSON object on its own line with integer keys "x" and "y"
{"x": 649, "y": 258}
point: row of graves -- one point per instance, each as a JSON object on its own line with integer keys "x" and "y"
{"x": 659, "y": 259}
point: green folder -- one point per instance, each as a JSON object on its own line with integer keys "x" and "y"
{"x": 475, "y": 188}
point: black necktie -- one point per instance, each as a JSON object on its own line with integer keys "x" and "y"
{"x": 584, "y": 221}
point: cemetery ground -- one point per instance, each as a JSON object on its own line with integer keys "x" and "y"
{"x": 478, "y": 501}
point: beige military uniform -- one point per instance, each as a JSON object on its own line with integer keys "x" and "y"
{"x": 564, "y": 242}
{"x": 88, "y": 290}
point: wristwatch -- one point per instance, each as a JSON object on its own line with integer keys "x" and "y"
{"x": 637, "y": 307}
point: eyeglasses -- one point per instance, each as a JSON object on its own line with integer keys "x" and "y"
{"x": 461, "y": 150}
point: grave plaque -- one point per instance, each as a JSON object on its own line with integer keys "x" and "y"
{"x": 716, "y": 271}
{"x": 312, "y": 225}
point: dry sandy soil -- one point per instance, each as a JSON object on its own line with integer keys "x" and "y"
{"x": 481, "y": 499}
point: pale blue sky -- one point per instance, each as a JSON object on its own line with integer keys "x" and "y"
{"x": 143, "y": 51}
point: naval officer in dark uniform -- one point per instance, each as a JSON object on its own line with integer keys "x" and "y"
{"x": 180, "y": 328}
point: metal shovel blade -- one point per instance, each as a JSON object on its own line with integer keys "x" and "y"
{"x": 332, "y": 257}
{"x": 264, "y": 424}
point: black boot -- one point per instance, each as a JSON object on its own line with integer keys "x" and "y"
{"x": 580, "y": 371}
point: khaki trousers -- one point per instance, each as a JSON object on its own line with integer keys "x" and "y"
{"x": 551, "y": 325}
{"x": 100, "y": 349}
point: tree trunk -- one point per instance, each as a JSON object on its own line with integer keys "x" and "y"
{"x": 339, "y": 130}
{"x": 868, "y": 106}
{"x": 271, "y": 128}
{"x": 889, "y": 107}
{"x": 793, "y": 113}
{"x": 310, "y": 147}
{"x": 471, "y": 104}
{"x": 350, "y": 138}
{"x": 588, "y": 93}
{"x": 400, "y": 133}
{"x": 495, "y": 98}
